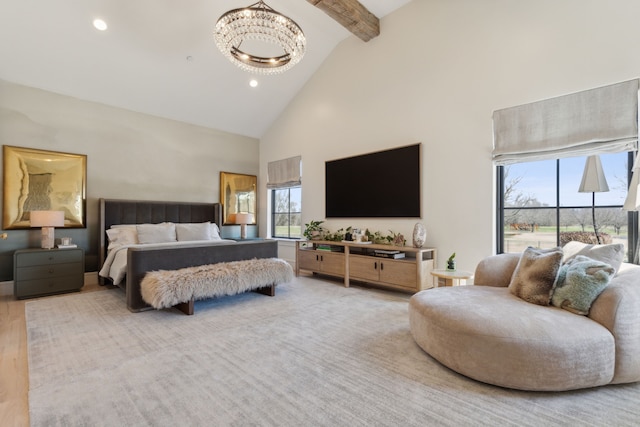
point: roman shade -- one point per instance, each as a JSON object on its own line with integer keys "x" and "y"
{"x": 284, "y": 173}
{"x": 596, "y": 121}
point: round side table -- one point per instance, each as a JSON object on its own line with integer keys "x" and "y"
{"x": 450, "y": 277}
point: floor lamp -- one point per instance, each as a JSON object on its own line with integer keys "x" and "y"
{"x": 593, "y": 181}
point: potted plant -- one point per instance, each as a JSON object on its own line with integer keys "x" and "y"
{"x": 313, "y": 230}
{"x": 451, "y": 262}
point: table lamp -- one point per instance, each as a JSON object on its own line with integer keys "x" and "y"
{"x": 243, "y": 219}
{"x": 593, "y": 181}
{"x": 47, "y": 220}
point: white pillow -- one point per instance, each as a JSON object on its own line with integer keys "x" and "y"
{"x": 156, "y": 233}
{"x": 193, "y": 231}
{"x": 215, "y": 232}
{"x": 122, "y": 236}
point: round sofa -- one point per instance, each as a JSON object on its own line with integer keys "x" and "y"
{"x": 486, "y": 333}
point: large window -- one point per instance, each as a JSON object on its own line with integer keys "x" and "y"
{"x": 539, "y": 204}
{"x": 285, "y": 213}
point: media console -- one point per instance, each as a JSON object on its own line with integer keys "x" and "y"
{"x": 358, "y": 262}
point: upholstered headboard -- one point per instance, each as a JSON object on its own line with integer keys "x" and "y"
{"x": 140, "y": 211}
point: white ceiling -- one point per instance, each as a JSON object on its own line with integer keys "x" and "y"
{"x": 159, "y": 57}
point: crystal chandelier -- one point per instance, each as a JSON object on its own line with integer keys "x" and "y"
{"x": 261, "y": 23}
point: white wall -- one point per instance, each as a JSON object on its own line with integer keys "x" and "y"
{"x": 435, "y": 75}
{"x": 129, "y": 155}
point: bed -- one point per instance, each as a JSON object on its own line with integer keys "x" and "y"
{"x": 141, "y": 259}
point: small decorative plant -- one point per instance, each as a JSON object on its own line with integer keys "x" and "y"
{"x": 451, "y": 262}
{"x": 313, "y": 230}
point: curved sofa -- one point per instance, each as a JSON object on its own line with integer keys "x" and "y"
{"x": 486, "y": 333}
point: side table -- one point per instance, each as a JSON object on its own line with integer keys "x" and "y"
{"x": 450, "y": 277}
{"x": 38, "y": 272}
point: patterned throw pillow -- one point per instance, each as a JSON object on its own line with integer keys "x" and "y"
{"x": 535, "y": 275}
{"x": 611, "y": 254}
{"x": 580, "y": 281}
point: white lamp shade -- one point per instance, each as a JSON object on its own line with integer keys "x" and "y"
{"x": 47, "y": 218}
{"x": 244, "y": 218}
{"x": 593, "y": 179}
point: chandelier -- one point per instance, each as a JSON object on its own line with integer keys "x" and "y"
{"x": 260, "y": 23}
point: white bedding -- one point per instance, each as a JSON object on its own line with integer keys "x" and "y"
{"x": 115, "y": 265}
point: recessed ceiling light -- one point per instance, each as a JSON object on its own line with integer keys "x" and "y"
{"x": 253, "y": 83}
{"x": 100, "y": 24}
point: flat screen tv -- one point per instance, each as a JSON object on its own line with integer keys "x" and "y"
{"x": 384, "y": 184}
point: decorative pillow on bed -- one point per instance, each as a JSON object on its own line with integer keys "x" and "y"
{"x": 156, "y": 233}
{"x": 535, "y": 275}
{"x": 193, "y": 231}
{"x": 215, "y": 232}
{"x": 611, "y": 254}
{"x": 122, "y": 236}
{"x": 580, "y": 281}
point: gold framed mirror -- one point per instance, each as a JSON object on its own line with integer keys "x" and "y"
{"x": 237, "y": 195}
{"x": 36, "y": 180}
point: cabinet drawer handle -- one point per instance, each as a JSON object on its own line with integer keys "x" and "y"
{"x": 52, "y": 270}
{"x": 375, "y": 265}
{"x": 381, "y": 266}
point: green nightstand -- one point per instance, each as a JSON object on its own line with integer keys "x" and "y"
{"x": 38, "y": 272}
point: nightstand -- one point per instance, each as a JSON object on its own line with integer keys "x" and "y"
{"x": 38, "y": 272}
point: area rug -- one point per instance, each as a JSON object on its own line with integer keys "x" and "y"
{"x": 316, "y": 354}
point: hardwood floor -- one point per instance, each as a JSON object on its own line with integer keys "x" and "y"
{"x": 14, "y": 368}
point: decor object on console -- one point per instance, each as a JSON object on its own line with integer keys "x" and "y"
{"x": 39, "y": 180}
{"x": 593, "y": 181}
{"x": 261, "y": 23}
{"x": 47, "y": 220}
{"x": 313, "y": 230}
{"x": 419, "y": 235}
{"x": 490, "y": 335}
{"x": 243, "y": 219}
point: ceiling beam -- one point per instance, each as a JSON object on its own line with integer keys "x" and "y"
{"x": 352, "y": 15}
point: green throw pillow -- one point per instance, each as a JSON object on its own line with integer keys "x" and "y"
{"x": 580, "y": 281}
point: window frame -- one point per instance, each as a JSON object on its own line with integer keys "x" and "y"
{"x": 289, "y": 213}
{"x": 632, "y": 216}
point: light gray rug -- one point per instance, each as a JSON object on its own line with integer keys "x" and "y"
{"x": 316, "y": 354}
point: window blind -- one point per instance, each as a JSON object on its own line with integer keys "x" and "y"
{"x": 596, "y": 121}
{"x": 284, "y": 173}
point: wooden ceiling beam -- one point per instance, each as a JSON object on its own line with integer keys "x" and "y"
{"x": 352, "y": 15}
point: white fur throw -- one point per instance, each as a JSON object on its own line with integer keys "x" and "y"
{"x": 166, "y": 288}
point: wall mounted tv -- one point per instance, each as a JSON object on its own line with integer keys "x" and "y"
{"x": 384, "y": 184}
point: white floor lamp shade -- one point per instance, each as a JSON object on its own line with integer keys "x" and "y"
{"x": 47, "y": 220}
{"x": 593, "y": 181}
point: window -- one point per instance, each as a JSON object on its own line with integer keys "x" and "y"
{"x": 285, "y": 212}
{"x": 539, "y": 204}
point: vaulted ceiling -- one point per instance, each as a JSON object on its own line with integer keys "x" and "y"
{"x": 158, "y": 56}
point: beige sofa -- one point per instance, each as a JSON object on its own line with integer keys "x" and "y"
{"x": 488, "y": 334}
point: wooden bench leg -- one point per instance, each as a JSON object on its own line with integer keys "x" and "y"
{"x": 267, "y": 290}
{"x": 186, "y": 307}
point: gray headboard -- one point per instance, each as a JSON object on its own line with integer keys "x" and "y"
{"x": 141, "y": 211}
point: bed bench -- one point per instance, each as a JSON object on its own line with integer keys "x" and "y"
{"x": 180, "y": 288}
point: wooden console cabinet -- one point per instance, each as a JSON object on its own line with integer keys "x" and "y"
{"x": 356, "y": 261}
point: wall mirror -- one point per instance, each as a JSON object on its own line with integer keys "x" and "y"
{"x": 36, "y": 180}
{"x": 237, "y": 195}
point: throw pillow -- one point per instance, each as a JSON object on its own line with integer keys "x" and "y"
{"x": 122, "y": 236}
{"x": 156, "y": 233}
{"x": 215, "y": 232}
{"x": 535, "y": 275}
{"x": 193, "y": 231}
{"x": 580, "y": 281}
{"x": 611, "y": 254}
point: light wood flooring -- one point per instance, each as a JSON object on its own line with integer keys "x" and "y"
{"x": 14, "y": 368}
